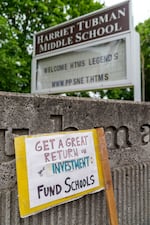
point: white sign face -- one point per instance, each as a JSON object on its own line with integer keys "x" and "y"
{"x": 83, "y": 69}
{"x": 60, "y": 166}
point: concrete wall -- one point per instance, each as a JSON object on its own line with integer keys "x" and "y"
{"x": 127, "y": 129}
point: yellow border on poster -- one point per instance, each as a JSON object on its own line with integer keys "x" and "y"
{"x": 22, "y": 177}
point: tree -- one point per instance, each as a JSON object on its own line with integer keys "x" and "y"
{"x": 18, "y": 22}
{"x": 144, "y": 31}
{"x": 10, "y": 63}
{"x": 115, "y": 93}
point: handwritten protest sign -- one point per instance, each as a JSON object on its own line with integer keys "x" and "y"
{"x": 56, "y": 168}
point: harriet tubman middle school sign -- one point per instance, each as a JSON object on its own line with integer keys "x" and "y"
{"x": 95, "y": 51}
{"x": 56, "y": 168}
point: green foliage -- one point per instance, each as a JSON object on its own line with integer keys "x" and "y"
{"x": 10, "y": 63}
{"x": 80, "y": 7}
{"x": 116, "y": 93}
{"x": 79, "y": 94}
{"x": 119, "y": 93}
{"x": 18, "y": 22}
{"x": 144, "y": 31}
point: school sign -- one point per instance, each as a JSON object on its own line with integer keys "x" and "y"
{"x": 94, "y": 51}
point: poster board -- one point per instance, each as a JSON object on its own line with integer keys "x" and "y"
{"x": 56, "y": 168}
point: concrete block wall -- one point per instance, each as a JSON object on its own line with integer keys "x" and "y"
{"x": 127, "y": 130}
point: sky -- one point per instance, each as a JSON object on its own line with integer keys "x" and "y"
{"x": 140, "y": 9}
